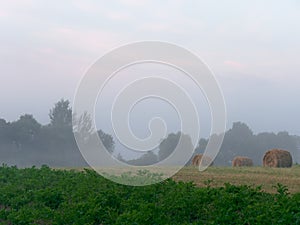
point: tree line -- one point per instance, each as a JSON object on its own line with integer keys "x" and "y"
{"x": 26, "y": 142}
{"x": 241, "y": 141}
{"x": 238, "y": 141}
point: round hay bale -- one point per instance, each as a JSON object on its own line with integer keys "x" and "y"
{"x": 277, "y": 158}
{"x": 198, "y": 157}
{"x": 239, "y": 161}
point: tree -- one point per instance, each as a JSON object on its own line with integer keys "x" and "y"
{"x": 3, "y": 123}
{"x": 169, "y": 144}
{"x": 240, "y": 130}
{"x": 201, "y": 146}
{"x": 84, "y": 130}
{"x": 82, "y": 126}
{"x": 107, "y": 141}
{"x": 4, "y": 131}
{"x": 239, "y": 140}
{"x": 25, "y": 130}
{"x": 61, "y": 114}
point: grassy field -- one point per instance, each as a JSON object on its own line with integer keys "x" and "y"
{"x": 266, "y": 177}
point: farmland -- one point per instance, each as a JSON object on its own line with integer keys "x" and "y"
{"x": 47, "y": 196}
{"x": 265, "y": 177}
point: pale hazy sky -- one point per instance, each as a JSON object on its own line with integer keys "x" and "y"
{"x": 251, "y": 46}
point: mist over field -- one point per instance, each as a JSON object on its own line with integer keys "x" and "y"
{"x": 251, "y": 47}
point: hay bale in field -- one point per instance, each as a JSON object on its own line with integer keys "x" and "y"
{"x": 197, "y": 159}
{"x": 239, "y": 161}
{"x": 277, "y": 158}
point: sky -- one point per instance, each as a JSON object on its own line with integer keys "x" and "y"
{"x": 251, "y": 46}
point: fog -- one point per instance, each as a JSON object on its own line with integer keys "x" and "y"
{"x": 251, "y": 48}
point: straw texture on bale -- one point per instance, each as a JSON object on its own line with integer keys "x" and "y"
{"x": 239, "y": 161}
{"x": 197, "y": 159}
{"x": 277, "y": 158}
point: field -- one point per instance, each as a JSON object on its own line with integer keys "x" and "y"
{"x": 256, "y": 176}
{"x": 48, "y": 196}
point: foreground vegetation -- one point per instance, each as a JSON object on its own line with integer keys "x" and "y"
{"x": 46, "y": 196}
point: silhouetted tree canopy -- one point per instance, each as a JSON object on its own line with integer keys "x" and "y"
{"x": 107, "y": 141}
{"x": 26, "y": 142}
{"x": 168, "y": 145}
{"x": 240, "y": 140}
{"x": 4, "y": 131}
{"x": 25, "y": 130}
{"x": 61, "y": 114}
